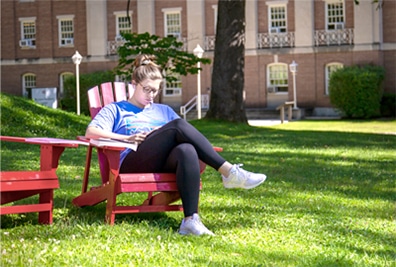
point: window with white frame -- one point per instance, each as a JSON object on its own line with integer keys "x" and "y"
{"x": 28, "y": 82}
{"x": 278, "y": 80}
{"x": 335, "y": 15}
{"x": 122, "y": 78}
{"x": 173, "y": 88}
{"x": 277, "y": 18}
{"x": 28, "y": 32}
{"x": 329, "y": 69}
{"x": 123, "y": 24}
{"x": 172, "y": 22}
{"x": 62, "y": 77}
{"x": 66, "y": 30}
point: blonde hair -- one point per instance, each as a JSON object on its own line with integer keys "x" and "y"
{"x": 145, "y": 68}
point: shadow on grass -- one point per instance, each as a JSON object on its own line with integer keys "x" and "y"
{"x": 354, "y": 164}
{"x": 300, "y": 161}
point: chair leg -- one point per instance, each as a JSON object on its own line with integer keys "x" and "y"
{"x": 110, "y": 206}
{"x": 86, "y": 170}
{"x": 45, "y": 217}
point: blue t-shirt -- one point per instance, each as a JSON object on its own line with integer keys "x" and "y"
{"x": 124, "y": 118}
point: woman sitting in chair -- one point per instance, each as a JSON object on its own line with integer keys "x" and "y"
{"x": 166, "y": 142}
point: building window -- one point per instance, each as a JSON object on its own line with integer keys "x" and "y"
{"x": 172, "y": 22}
{"x": 335, "y": 15}
{"x": 62, "y": 79}
{"x": 122, "y": 78}
{"x": 173, "y": 88}
{"x": 329, "y": 69}
{"x": 277, "y": 18}
{"x": 66, "y": 30}
{"x": 278, "y": 81}
{"x": 122, "y": 24}
{"x": 28, "y": 33}
{"x": 28, "y": 82}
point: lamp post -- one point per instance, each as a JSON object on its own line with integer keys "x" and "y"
{"x": 198, "y": 51}
{"x": 77, "y": 60}
{"x": 293, "y": 69}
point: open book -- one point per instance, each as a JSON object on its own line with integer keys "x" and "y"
{"x": 113, "y": 142}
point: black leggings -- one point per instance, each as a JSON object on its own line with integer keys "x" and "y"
{"x": 175, "y": 147}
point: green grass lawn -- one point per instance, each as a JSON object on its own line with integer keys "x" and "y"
{"x": 329, "y": 200}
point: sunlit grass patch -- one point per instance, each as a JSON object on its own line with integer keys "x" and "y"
{"x": 328, "y": 200}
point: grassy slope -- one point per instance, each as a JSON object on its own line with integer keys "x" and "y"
{"x": 328, "y": 201}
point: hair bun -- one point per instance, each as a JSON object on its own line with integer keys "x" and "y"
{"x": 144, "y": 60}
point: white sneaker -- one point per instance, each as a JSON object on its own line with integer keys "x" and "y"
{"x": 194, "y": 226}
{"x": 239, "y": 178}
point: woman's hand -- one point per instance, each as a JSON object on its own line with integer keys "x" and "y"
{"x": 137, "y": 138}
{"x": 93, "y": 132}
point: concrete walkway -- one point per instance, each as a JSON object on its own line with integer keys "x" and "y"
{"x": 265, "y": 122}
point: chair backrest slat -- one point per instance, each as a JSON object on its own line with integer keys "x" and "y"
{"x": 95, "y": 105}
{"x": 131, "y": 90}
{"x": 119, "y": 91}
{"x": 107, "y": 93}
{"x": 94, "y": 101}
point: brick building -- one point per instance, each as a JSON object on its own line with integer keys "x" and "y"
{"x": 39, "y": 38}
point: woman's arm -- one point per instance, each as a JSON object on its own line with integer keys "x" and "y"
{"x": 95, "y": 132}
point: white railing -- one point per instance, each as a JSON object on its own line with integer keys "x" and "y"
{"x": 112, "y": 46}
{"x": 209, "y": 44}
{"x": 193, "y": 103}
{"x": 336, "y": 37}
{"x": 270, "y": 40}
{"x": 188, "y": 106}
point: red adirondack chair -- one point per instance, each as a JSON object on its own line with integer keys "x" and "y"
{"x": 161, "y": 187}
{"x": 21, "y": 184}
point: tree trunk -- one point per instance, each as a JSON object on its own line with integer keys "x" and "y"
{"x": 226, "y": 101}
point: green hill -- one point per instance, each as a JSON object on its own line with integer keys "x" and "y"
{"x": 26, "y": 118}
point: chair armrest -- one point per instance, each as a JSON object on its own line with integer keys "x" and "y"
{"x": 218, "y": 149}
{"x": 87, "y": 140}
{"x": 56, "y": 142}
{"x": 83, "y": 138}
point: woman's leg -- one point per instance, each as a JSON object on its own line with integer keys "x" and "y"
{"x": 152, "y": 154}
{"x": 183, "y": 160}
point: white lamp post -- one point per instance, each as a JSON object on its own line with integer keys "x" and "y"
{"x": 198, "y": 51}
{"x": 293, "y": 69}
{"x": 77, "y": 60}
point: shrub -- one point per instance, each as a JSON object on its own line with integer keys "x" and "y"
{"x": 388, "y": 105}
{"x": 357, "y": 91}
{"x": 87, "y": 81}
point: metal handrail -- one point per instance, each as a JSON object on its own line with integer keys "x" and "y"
{"x": 188, "y": 106}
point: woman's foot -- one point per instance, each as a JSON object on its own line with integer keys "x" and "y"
{"x": 239, "y": 178}
{"x": 193, "y": 226}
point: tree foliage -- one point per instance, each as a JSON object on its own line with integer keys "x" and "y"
{"x": 169, "y": 52}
